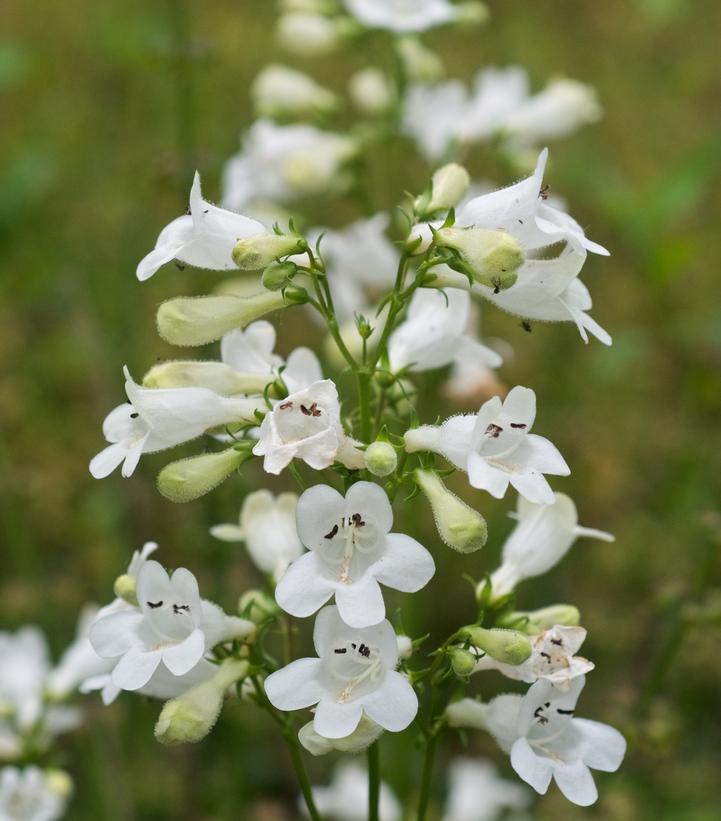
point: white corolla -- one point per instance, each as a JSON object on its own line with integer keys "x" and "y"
{"x": 478, "y": 793}
{"x": 402, "y": 16}
{"x": 350, "y": 554}
{"x": 346, "y": 797}
{"x": 354, "y": 674}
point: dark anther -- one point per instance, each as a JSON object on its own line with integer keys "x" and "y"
{"x": 134, "y": 415}
{"x": 187, "y": 211}
{"x": 526, "y": 325}
{"x": 179, "y": 265}
{"x": 494, "y": 431}
{"x": 496, "y": 282}
{"x": 155, "y": 605}
{"x": 548, "y": 704}
{"x": 353, "y": 645}
{"x": 311, "y": 411}
{"x": 364, "y": 651}
{"x": 565, "y": 712}
{"x": 543, "y": 193}
{"x": 519, "y": 425}
{"x": 357, "y": 520}
{"x": 206, "y": 211}
{"x": 539, "y": 715}
{"x": 547, "y": 657}
{"x": 341, "y": 650}
{"x": 331, "y": 533}
{"x": 286, "y": 406}
{"x": 521, "y": 221}
{"x": 557, "y": 642}
{"x": 178, "y": 608}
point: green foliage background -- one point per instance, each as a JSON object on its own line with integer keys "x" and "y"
{"x": 103, "y": 120}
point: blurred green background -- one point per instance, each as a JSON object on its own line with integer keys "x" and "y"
{"x": 105, "y": 109}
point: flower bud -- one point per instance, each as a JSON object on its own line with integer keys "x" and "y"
{"x": 278, "y": 274}
{"x": 188, "y": 718}
{"x": 405, "y": 646}
{"x": 257, "y": 252}
{"x": 506, "y": 646}
{"x": 492, "y": 258}
{"x": 198, "y": 320}
{"x": 471, "y": 13}
{"x": 450, "y": 184}
{"x": 125, "y": 588}
{"x": 280, "y": 91}
{"x": 189, "y": 479}
{"x": 360, "y": 739}
{"x": 462, "y": 661}
{"x": 370, "y": 91}
{"x": 420, "y": 64}
{"x": 311, "y": 35}
{"x": 59, "y": 782}
{"x": 459, "y": 526}
{"x": 216, "y": 376}
{"x": 468, "y": 712}
{"x": 381, "y": 458}
{"x": 537, "y": 621}
{"x": 257, "y": 606}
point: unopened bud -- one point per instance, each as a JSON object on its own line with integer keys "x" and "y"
{"x": 420, "y": 64}
{"x": 278, "y": 274}
{"x": 256, "y": 253}
{"x": 462, "y": 661}
{"x": 281, "y": 91}
{"x": 360, "y": 739}
{"x": 195, "y": 321}
{"x": 491, "y": 257}
{"x": 449, "y": 185}
{"x": 370, "y": 91}
{"x": 471, "y": 13}
{"x": 257, "y": 606}
{"x": 125, "y": 588}
{"x": 189, "y": 479}
{"x": 59, "y": 782}
{"x": 216, "y": 376}
{"x": 311, "y": 35}
{"x": 459, "y": 526}
{"x": 188, "y": 718}
{"x": 381, "y": 458}
{"x": 468, "y": 712}
{"x": 405, "y": 646}
{"x": 537, "y": 621}
{"x": 506, "y": 646}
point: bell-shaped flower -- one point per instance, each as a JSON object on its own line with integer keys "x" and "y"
{"x": 354, "y": 674}
{"x": 31, "y": 794}
{"x": 542, "y": 537}
{"x": 552, "y": 658}
{"x": 402, "y": 16}
{"x": 203, "y": 238}
{"x": 306, "y": 425}
{"x": 478, "y": 793}
{"x": 495, "y": 447}
{"x": 346, "y": 797}
{"x": 156, "y": 419}
{"x": 434, "y": 333}
{"x": 546, "y": 742}
{"x": 267, "y": 526}
{"x": 350, "y": 554}
{"x": 172, "y": 626}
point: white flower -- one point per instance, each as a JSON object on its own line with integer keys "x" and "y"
{"x": 495, "y": 447}
{"x": 251, "y": 351}
{"x": 267, "y": 526}
{"x": 156, "y": 419}
{"x": 279, "y": 89}
{"x": 306, "y": 425}
{"x": 353, "y": 674}
{"x": 29, "y": 795}
{"x": 402, "y": 16}
{"x": 542, "y": 537}
{"x": 172, "y": 626}
{"x": 346, "y": 798}
{"x": 310, "y": 35}
{"x": 371, "y": 91}
{"x": 431, "y": 114}
{"x": 552, "y": 658}
{"x": 203, "y": 238}
{"x": 478, "y": 793}
{"x": 557, "y": 111}
{"x": 497, "y": 94}
{"x": 546, "y": 742}
{"x": 280, "y": 163}
{"x": 351, "y": 552}
{"x": 433, "y": 334}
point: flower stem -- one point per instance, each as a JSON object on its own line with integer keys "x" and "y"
{"x": 364, "y": 403}
{"x": 374, "y": 781}
{"x": 427, "y": 776}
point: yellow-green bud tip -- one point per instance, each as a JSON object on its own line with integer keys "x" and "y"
{"x": 462, "y": 661}
{"x": 506, "y": 646}
{"x": 459, "y": 526}
{"x": 256, "y": 253}
{"x": 125, "y": 588}
{"x": 381, "y": 458}
{"x": 257, "y": 606}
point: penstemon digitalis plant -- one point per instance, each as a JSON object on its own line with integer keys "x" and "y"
{"x": 390, "y": 310}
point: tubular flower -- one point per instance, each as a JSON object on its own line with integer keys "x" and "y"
{"x": 402, "y": 16}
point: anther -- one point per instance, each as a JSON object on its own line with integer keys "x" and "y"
{"x": 155, "y": 605}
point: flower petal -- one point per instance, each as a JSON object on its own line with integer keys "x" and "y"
{"x": 603, "y": 746}
{"x": 361, "y": 604}
{"x": 181, "y": 658}
{"x": 335, "y": 720}
{"x": 318, "y": 509}
{"x": 405, "y": 565}
{"x": 576, "y": 783}
{"x": 135, "y": 669}
{"x": 394, "y": 704}
{"x": 295, "y": 686}
{"x": 113, "y": 635}
{"x": 483, "y": 476}
{"x": 533, "y": 769}
{"x": 105, "y": 462}
{"x": 533, "y": 486}
{"x": 367, "y": 496}
{"x": 303, "y": 588}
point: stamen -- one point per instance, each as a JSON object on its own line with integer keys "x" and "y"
{"x": 519, "y": 425}
{"x": 340, "y": 650}
{"x": 155, "y": 605}
{"x": 313, "y": 410}
{"x": 285, "y": 406}
{"x": 331, "y": 533}
{"x": 546, "y": 656}
{"x": 134, "y": 415}
{"x": 494, "y": 431}
{"x": 178, "y": 608}
{"x": 557, "y": 642}
{"x": 565, "y": 712}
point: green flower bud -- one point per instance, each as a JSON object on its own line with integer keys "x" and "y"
{"x": 256, "y": 253}
{"x": 506, "y": 646}
{"x": 188, "y": 718}
{"x": 536, "y": 621}
{"x": 472, "y": 13}
{"x": 468, "y": 712}
{"x": 125, "y": 588}
{"x": 492, "y": 258}
{"x": 216, "y": 376}
{"x": 371, "y": 91}
{"x": 189, "y": 479}
{"x": 278, "y": 274}
{"x": 198, "y": 320}
{"x": 257, "y": 606}
{"x": 459, "y": 526}
{"x": 420, "y": 64}
{"x": 449, "y": 186}
{"x": 381, "y": 458}
{"x": 59, "y": 782}
{"x": 462, "y": 661}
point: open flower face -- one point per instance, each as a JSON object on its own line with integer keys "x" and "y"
{"x": 353, "y": 674}
{"x": 28, "y": 795}
{"x": 306, "y": 425}
{"x": 351, "y": 552}
{"x": 401, "y": 16}
{"x": 203, "y": 238}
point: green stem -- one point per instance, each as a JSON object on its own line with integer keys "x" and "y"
{"x": 364, "y": 404}
{"x": 374, "y": 781}
{"x": 302, "y": 777}
{"x": 427, "y": 776}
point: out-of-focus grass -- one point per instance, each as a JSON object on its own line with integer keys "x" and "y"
{"x": 97, "y": 146}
